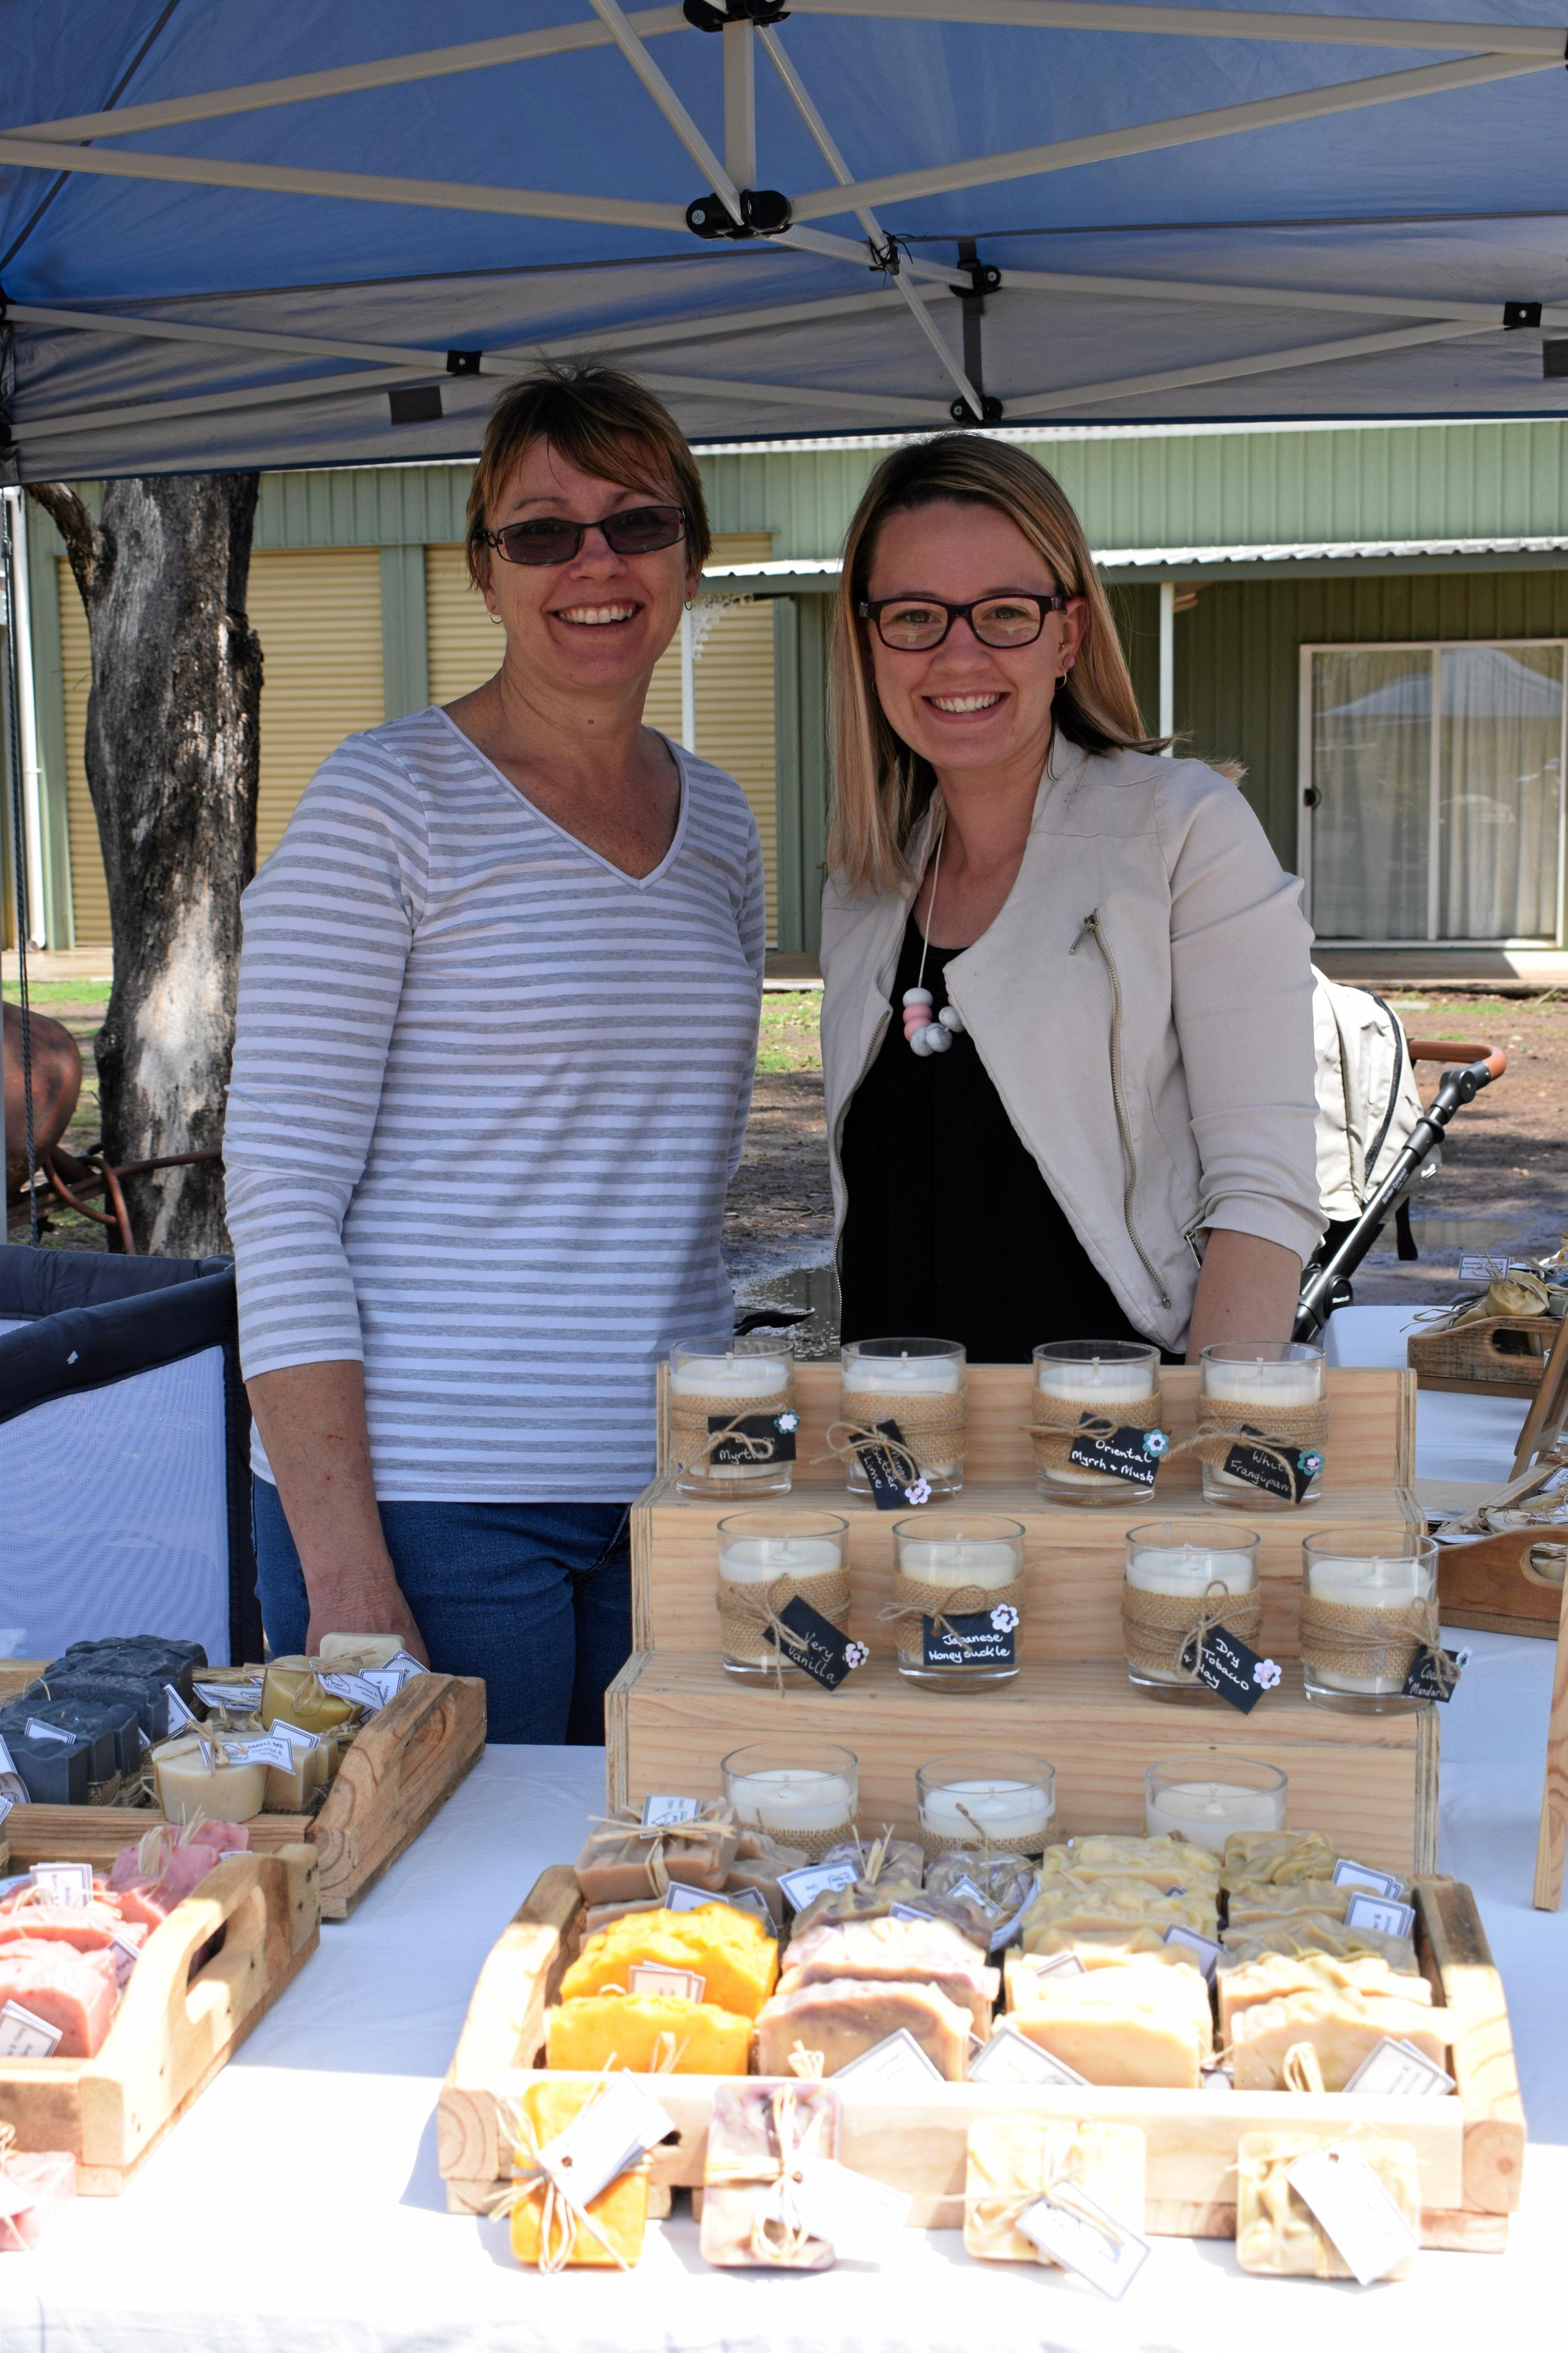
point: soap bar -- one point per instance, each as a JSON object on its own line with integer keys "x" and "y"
{"x": 646, "y": 2033}
{"x": 26, "y": 1912}
{"x": 860, "y": 1901}
{"x": 755, "y": 2133}
{"x": 1305, "y": 1933}
{"x": 47, "y": 2178}
{"x": 881, "y": 1858}
{"x": 292, "y": 1689}
{"x": 1115, "y": 1904}
{"x": 1014, "y": 2159}
{"x": 1164, "y": 1862}
{"x": 620, "y": 2210}
{"x": 1343, "y": 2028}
{"x": 911, "y": 1952}
{"x": 1143, "y": 2023}
{"x": 1319, "y": 1899}
{"x": 1277, "y": 1858}
{"x": 55, "y": 1771}
{"x": 1007, "y": 1881}
{"x": 194, "y": 1777}
{"x": 1023, "y": 1980}
{"x": 730, "y": 1951}
{"x": 1102, "y": 1948}
{"x": 621, "y": 1860}
{"x": 599, "y": 1916}
{"x": 846, "y": 2017}
{"x": 73, "y": 1990}
{"x": 335, "y": 1651}
{"x": 1241, "y": 1986}
{"x": 108, "y": 1727}
{"x": 1277, "y": 2231}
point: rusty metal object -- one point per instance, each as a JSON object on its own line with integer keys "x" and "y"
{"x": 56, "y": 1084}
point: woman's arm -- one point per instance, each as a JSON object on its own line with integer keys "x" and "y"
{"x": 1248, "y": 1291}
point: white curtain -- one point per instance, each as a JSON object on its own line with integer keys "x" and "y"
{"x": 1501, "y": 791}
{"x": 1371, "y": 767}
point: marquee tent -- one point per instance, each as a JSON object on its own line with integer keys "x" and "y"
{"x": 235, "y": 233}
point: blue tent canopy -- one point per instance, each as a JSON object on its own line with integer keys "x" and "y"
{"x": 237, "y": 234}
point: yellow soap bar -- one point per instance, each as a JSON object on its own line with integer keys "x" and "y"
{"x": 1277, "y": 1858}
{"x": 730, "y": 1951}
{"x": 1273, "y": 1975}
{"x": 1140, "y": 2024}
{"x": 1069, "y": 1903}
{"x": 1275, "y": 2230}
{"x": 1012, "y": 2155}
{"x": 620, "y": 2210}
{"x": 1164, "y": 1862}
{"x": 292, "y": 1689}
{"x": 628, "y": 2029}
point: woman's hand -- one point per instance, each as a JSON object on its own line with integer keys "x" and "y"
{"x": 363, "y": 1604}
{"x": 1248, "y": 1291}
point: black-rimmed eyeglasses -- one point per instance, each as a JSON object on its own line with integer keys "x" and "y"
{"x": 918, "y": 624}
{"x": 555, "y": 539}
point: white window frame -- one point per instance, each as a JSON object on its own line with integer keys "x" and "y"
{"x": 1435, "y": 647}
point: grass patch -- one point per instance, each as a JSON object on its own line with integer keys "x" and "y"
{"x": 91, "y": 996}
{"x": 789, "y": 1038}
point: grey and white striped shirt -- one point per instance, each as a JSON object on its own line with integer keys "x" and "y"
{"x": 487, "y": 1094}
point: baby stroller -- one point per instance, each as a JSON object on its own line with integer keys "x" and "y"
{"x": 1375, "y": 1143}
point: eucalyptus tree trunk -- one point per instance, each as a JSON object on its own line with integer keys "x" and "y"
{"x": 172, "y": 740}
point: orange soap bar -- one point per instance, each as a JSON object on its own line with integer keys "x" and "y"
{"x": 730, "y": 1953}
{"x": 620, "y": 2210}
{"x": 622, "y": 2030}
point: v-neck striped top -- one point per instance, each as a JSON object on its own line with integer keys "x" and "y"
{"x": 487, "y": 1094}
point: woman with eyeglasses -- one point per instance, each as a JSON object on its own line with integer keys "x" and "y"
{"x": 1068, "y": 1017}
{"x": 497, "y": 1025}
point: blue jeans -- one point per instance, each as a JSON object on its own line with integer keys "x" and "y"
{"x": 535, "y": 1598}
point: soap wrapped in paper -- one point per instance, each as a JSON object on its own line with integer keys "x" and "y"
{"x": 758, "y": 2132}
{"x": 1275, "y": 2230}
{"x": 760, "y": 1862}
{"x": 1006, "y": 1880}
{"x": 1015, "y": 2159}
{"x": 622, "y": 1860}
{"x": 862, "y": 1900}
{"x": 619, "y": 2212}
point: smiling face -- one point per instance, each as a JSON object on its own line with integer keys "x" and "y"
{"x": 600, "y": 621}
{"x": 965, "y": 705}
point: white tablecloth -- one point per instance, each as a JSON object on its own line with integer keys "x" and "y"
{"x": 299, "y": 2208}
{"x": 1456, "y": 1437}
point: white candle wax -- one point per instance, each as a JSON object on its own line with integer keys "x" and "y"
{"x": 911, "y": 1376}
{"x": 957, "y": 1560}
{"x": 1099, "y": 1387}
{"x": 1206, "y": 1812}
{"x": 1187, "y": 1571}
{"x": 791, "y": 1798}
{"x": 1264, "y": 1381}
{"x": 1366, "y": 1585}
{"x": 757, "y": 1560}
{"x": 1005, "y": 1809}
{"x": 736, "y": 1379}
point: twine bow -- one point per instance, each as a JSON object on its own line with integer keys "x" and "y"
{"x": 1003, "y": 2210}
{"x": 734, "y": 1433}
{"x": 1280, "y": 1432}
{"x": 811, "y": 2066}
{"x": 1343, "y": 1638}
{"x": 1060, "y": 1422}
{"x": 756, "y": 1609}
{"x": 779, "y": 2234}
{"x": 621, "y": 1828}
{"x": 562, "y": 2213}
{"x": 857, "y": 1434}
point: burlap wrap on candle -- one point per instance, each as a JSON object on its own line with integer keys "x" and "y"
{"x": 912, "y": 1601}
{"x": 1271, "y": 1429}
{"x": 1157, "y": 1629}
{"x": 1340, "y": 1638}
{"x": 935, "y": 1842}
{"x": 748, "y": 1613}
{"x": 814, "y": 1844}
{"x": 1060, "y": 1422}
{"x": 935, "y": 1424}
{"x": 692, "y": 1442}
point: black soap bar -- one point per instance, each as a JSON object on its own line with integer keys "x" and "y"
{"x": 55, "y": 1771}
{"x": 145, "y": 1692}
{"x": 109, "y": 1724}
{"x": 136, "y": 1656}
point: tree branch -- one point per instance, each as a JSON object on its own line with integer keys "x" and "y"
{"x": 84, "y": 540}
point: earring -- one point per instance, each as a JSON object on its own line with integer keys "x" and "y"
{"x": 494, "y": 620}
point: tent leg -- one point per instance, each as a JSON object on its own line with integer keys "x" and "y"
{"x": 1167, "y": 722}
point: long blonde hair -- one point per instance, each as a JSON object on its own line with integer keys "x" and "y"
{"x": 881, "y": 788}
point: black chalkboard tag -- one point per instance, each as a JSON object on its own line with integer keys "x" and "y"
{"x": 779, "y": 1429}
{"x": 1424, "y": 1681}
{"x": 819, "y": 1648}
{"x": 892, "y": 1489}
{"x": 1126, "y": 1453}
{"x": 985, "y": 1638}
{"x": 1226, "y": 1665}
{"x": 1268, "y": 1472}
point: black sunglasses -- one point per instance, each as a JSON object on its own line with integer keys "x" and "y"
{"x": 918, "y": 624}
{"x": 555, "y": 539}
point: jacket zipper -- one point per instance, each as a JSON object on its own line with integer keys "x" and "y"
{"x": 1093, "y": 929}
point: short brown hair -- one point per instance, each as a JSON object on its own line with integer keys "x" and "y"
{"x": 881, "y": 788}
{"x": 603, "y": 422}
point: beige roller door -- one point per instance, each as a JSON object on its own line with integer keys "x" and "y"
{"x": 734, "y": 678}
{"x": 318, "y": 614}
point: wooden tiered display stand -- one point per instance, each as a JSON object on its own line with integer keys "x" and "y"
{"x": 397, "y": 1774}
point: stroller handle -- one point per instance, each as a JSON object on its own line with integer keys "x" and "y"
{"x": 1427, "y": 1049}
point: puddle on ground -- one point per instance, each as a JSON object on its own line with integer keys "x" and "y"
{"x": 808, "y": 1291}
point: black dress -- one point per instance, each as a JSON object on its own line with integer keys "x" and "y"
{"x": 952, "y": 1232}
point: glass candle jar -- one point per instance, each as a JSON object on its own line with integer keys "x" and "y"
{"x": 1112, "y": 1385}
{"x": 990, "y": 1799}
{"x": 1368, "y": 1603}
{"x": 1179, "y": 1571}
{"x": 1206, "y": 1796}
{"x": 1273, "y": 1389}
{"x": 919, "y": 1383}
{"x": 958, "y": 1595}
{"x": 746, "y": 1378}
{"x": 766, "y": 1559}
{"x": 803, "y": 1792}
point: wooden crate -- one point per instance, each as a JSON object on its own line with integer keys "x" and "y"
{"x": 184, "y": 2012}
{"x": 1471, "y": 2147}
{"x": 1370, "y": 1781}
{"x": 396, "y": 1776}
{"x": 1498, "y": 1355}
{"x": 1491, "y": 1586}
{"x": 1371, "y": 1429}
{"x": 1074, "y": 1559}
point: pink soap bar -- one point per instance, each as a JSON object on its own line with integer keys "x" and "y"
{"x": 144, "y": 1902}
{"x": 88, "y": 1928}
{"x": 75, "y": 1992}
{"x": 45, "y": 2178}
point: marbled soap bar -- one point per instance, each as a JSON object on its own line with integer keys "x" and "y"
{"x": 729, "y": 1951}
{"x": 1343, "y": 2028}
{"x": 847, "y": 2017}
{"x": 620, "y": 2210}
{"x": 1277, "y": 1858}
{"x": 1306, "y": 1932}
{"x": 1140, "y": 2024}
{"x": 616, "y": 1865}
{"x": 1319, "y": 1899}
{"x": 646, "y": 2032}
{"x": 745, "y": 2217}
{"x": 1277, "y": 2231}
{"x": 1063, "y": 1903}
{"x": 1161, "y": 1862}
{"x": 1241, "y": 1986}
{"x": 860, "y": 1902}
{"x": 760, "y": 1862}
{"x": 911, "y": 1952}
{"x": 1012, "y": 2159}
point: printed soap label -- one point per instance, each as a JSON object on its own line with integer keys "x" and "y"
{"x": 261, "y": 1748}
{"x": 854, "y": 2214}
{"x": 1226, "y": 1665}
{"x": 357, "y": 1688}
{"x": 681, "y": 1985}
{"x": 7, "y": 1763}
{"x": 665, "y": 1813}
{"x": 1348, "y": 1873}
{"x": 1128, "y": 1453}
{"x": 1286, "y": 1475}
{"x": 981, "y": 1638}
{"x": 1052, "y": 1965}
{"x": 1011, "y": 2058}
{"x": 35, "y": 1729}
{"x": 282, "y": 1730}
{"x": 887, "y": 1474}
{"x": 66, "y": 1884}
{"x": 678, "y": 1898}
{"x": 895, "y": 2063}
{"x": 1433, "y": 1675}
{"x": 757, "y": 1438}
{"x": 1395, "y": 2069}
{"x": 1205, "y": 1949}
{"x": 24, "y": 2035}
{"x": 237, "y": 1696}
{"x": 1355, "y": 2211}
{"x": 609, "y": 2134}
{"x": 1076, "y": 2230}
{"x": 1379, "y": 1911}
{"x": 179, "y": 1713}
{"x": 799, "y": 1887}
{"x": 817, "y": 1646}
{"x": 125, "y": 1959}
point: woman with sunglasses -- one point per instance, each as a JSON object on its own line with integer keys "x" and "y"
{"x": 497, "y": 1018}
{"x": 1068, "y": 1017}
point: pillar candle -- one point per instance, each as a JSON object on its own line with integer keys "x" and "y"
{"x": 901, "y": 1375}
{"x": 1185, "y": 1572}
{"x": 1363, "y": 1584}
{"x": 787, "y": 1798}
{"x": 957, "y": 1560}
{"x": 1011, "y": 1809}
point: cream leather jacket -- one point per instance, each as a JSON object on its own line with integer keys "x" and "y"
{"x": 1143, "y": 1005}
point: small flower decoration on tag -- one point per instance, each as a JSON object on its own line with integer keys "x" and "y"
{"x": 787, "y": 1422}
{"x": 1155, "y": 1443}
{"x": 919, "y": 1493}
{"x": 1265, "y": 1674}
{"x": 1004, "y": 1617}
{"x": 1311, "y": 1463}
{"x": 856, "y": 1654}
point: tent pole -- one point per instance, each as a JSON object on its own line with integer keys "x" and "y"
{"x": 1026, "y": 406}
{"x": 1167, "y": 720}
{"x": 1202, "y": 24}
{"x": 688, "y": 680}
{"x": 613, "y": 16}
{"x": 741, "y": 104}
{"x": 31, "y": 847}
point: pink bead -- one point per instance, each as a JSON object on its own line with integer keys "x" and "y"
{"x": 916, "y": 1018}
